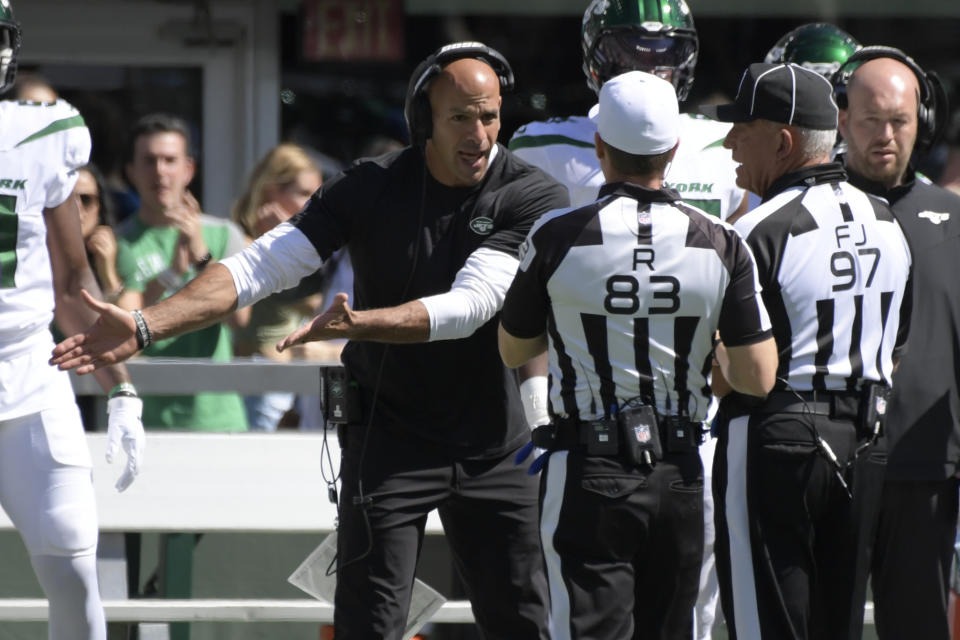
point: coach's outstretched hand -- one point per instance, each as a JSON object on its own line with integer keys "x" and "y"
{"x": 109, "y": 340}
{"x": 337, "y": 321}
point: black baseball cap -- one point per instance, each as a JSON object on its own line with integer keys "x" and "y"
{"x": 785, "y": 93}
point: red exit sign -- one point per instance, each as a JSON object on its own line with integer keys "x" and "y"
{"x": 353, "y": 30}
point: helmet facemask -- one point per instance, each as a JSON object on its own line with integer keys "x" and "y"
{"x": 9, "y": 48}
{"x": 671, "y": 55}
{"x": 656, "y": 36}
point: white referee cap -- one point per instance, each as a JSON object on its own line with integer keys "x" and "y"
{"x": 638, "y": 113}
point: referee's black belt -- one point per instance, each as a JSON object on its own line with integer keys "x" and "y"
{"x": 571, "y": 433}
{"x": 676, "y": 436}
{"x": 839, "y": 405}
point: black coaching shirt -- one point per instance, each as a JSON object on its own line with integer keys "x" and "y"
{"x": 835, "y": 270}
{"x": 923, "y": 424}
{"x": 630, "y": 290}
{"x": 408, "y": 235}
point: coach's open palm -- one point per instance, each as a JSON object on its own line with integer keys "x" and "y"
{"x": 336, "y": 322}
{"x": 109, "y": 340}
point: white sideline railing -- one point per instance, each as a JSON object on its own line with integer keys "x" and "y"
{"x": 220, "y": 482}
{"x": 214, "y": 482}
{"x": 209, "y": 610}
{"x": 167, "y": 376}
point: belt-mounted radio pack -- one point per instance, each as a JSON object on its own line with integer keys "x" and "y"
{"x": 873, "y": 410}
{"x": 601, "y": 437}
{"x": 341, "y": 396}
{"x": 640, "y": 431}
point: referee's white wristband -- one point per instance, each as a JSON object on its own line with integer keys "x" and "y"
{"x": 533, "y": 396}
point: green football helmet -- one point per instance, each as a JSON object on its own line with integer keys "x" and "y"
{"x": 818, "y": 46}
{"x": 9, "y": 46}
{"x": 656, "y": 36}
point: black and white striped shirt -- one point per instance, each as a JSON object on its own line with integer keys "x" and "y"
{"x": 835, "y": 270}
{"x": 630, "y": 290}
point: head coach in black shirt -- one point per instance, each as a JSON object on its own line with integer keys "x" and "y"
{"x": 628, "y": 293}
{"x": 891, "y": 107}
{"x": 835, "y": 270}
{"x": 433, "y": 232}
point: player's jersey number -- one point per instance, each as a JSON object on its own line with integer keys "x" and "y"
{"x": 8, "y": 240}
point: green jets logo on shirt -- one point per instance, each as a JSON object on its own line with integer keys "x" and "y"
{"x": 13, "y": 183}
{"x": 481, "y": 226}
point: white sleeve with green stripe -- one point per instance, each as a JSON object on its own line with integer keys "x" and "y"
{"x": 41, "y": 147}
{"x": 563, "y": 148}
{"x": 69, "y": 137}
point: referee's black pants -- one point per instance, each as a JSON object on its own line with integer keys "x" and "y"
{"x": 489, "y": 512}
{"x": 622, "y": 545}
{"x": 791, "y": 546}
{"x": 912, "y": 559}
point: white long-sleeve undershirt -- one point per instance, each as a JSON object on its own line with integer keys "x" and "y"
{"x": 280, "y": 258}
{"x": 476, "y": 295}
{"x": 276, "y": 261}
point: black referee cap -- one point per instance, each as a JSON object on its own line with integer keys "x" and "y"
{"x": 785, "y": 93}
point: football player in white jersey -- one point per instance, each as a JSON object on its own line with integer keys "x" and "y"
{"x": 658, "y": 37}
{"x": 45, "y": 468}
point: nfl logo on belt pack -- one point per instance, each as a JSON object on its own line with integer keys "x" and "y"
{"x": 642, "y": 433}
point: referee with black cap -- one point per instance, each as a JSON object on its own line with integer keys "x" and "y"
{"x": 835, "y": 270}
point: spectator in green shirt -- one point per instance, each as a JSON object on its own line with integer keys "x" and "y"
{"x": 161, "y": 248}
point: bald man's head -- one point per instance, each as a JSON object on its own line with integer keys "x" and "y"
{"x": 885, "y": 74}
{"x": 467, "y": 75}
{"x": 880, "y": 121}
{"x": 465, "y": 108}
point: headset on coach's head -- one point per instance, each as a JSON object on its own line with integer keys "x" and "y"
{"x": 932, "y": 111}
{"x": 416, "y": 107}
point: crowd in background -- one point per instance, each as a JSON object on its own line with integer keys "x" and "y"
{"x": 158, "y": 180}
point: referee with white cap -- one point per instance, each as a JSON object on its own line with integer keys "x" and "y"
{"x": 835, "y": 270}
{"x": 631, "y": 290}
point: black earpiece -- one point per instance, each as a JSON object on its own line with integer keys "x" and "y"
{"x": 416, "y": 107}
{"x": 932, "y": 103}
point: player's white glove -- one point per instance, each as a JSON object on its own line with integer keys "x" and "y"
{"x": 533, "y": 397}
{"x": 125, "y": 429}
